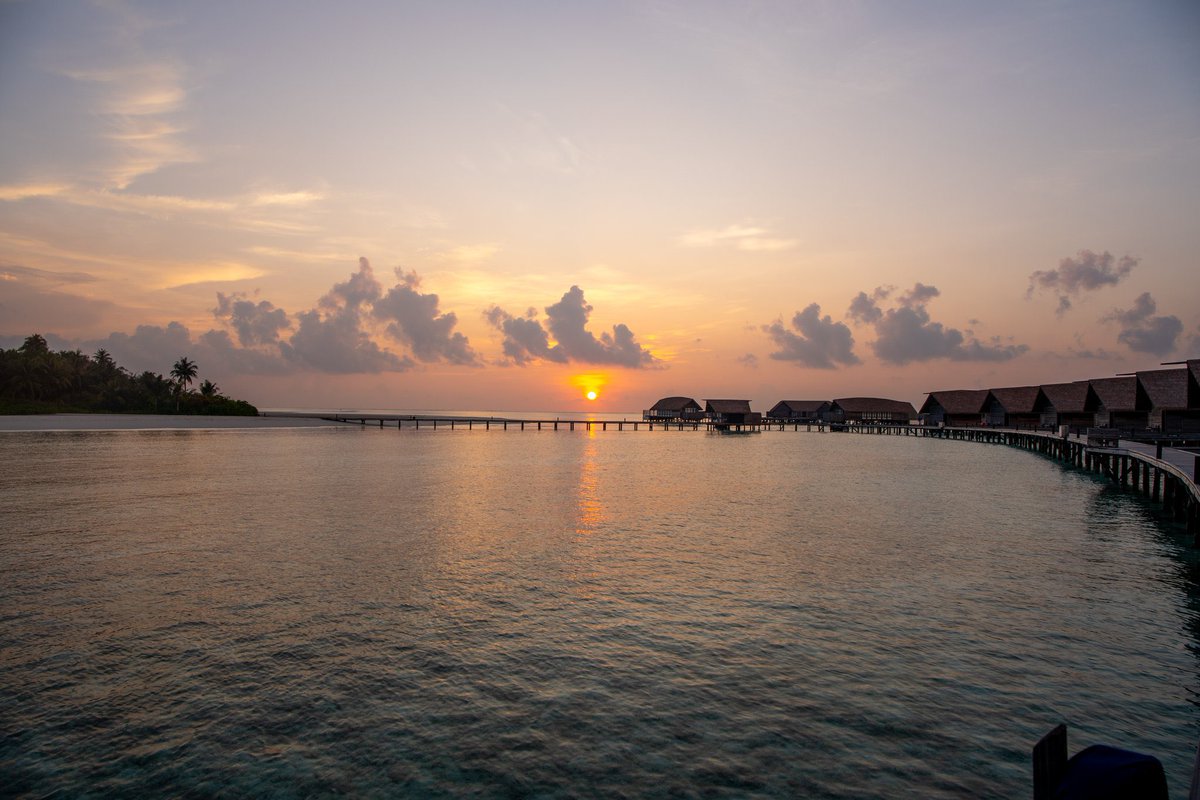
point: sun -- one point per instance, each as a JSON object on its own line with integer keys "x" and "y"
{"x": 591, "y": 395}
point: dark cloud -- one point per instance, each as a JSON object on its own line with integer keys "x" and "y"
{"x": 331, "y": 337}
{"x": 1144, "y": 332}
{"x": 255, "y": 323}
{"x": 906, "y": 333}
{"x": 919, "y": 295}
{"x": 1086, "y": 272}
{"x": 748, "y": 360}
{"x": 819, "y": 342}
{"x": 864, "y": 309}
{"x": 566, "y": 321}
{"x": 525, "y": 339}
{"x": 413, "y": 318}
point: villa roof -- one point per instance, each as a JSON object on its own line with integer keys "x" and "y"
{"x": 858, "y": 405}
{"x": 674, "y": 404}
{"x": 1017, "y": 399}
{"x": 728, "y": 406}
{"x": 957, "y": 401}
{"x": 1116, "y": 394}
{"x": 1165, "y": 388}
{"x": 1068, "y": 398}
{"x": 801, "y": 406}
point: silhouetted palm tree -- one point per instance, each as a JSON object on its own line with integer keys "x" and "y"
{"x": 184, "y": 372}
{"x": 209, "y": 389}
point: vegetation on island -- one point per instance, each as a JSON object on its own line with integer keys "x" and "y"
{"x": 36, "y": 380}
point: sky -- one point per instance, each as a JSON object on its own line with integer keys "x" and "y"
{"x": 506, "y": 205}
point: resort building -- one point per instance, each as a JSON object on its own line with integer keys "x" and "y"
{"x": 871, "y": 409}
{"x": 1118, "y": 405}
{"x": 674, "y": 409}
{"x": 1015, "y": 407}
{"x": 731, "y": 412}
{"x": 1071, "y": 404}
{"x": 800, "y": 410}
{"x": 1164, "y": 393}
{"x": 955, "y": 407}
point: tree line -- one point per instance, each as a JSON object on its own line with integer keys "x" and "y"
{"x": 36, "y": 380}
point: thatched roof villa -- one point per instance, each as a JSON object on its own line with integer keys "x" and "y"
{"x": 674, "y": 408}
{"x": 1072, "y": 403}
{"x": 1165, "y": 391}
{"x": 871, "y": 409}
{"x": 1015, "y": 406}
{"x": 955, "y": 407}
{"x": 799, "y": 410}
{"x": 731, "y": 412}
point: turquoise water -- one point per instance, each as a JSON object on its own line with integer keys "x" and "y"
{"x": 493, "y": 614}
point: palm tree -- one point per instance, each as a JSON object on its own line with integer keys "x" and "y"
{"x": 184, "y": 372}
{"x": 209, "y": 389}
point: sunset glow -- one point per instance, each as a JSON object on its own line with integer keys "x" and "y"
{"x": 465, "y": 209}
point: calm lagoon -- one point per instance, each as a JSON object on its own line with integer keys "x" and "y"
{"x": 310, "y": 612}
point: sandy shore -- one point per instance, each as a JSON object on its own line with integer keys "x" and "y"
{"x": 148, "y": 422}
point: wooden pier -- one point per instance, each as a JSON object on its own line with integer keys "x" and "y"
{"x": 502, "y": 423}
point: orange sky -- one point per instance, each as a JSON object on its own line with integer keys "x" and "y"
{"x": 503, "y": 208}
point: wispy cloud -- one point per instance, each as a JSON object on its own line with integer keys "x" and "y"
{"x": 136, "y": 101}
{"x": 470, "y": 253}
{"x": 744, "y": 237}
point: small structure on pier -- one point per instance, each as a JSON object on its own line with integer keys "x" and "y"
{"x": 1072, "y": 404}
{"x": 731, "y": 412}
{"x": 955, "y": 407}
{"x": 800, "y": 410}
{"x": 1118, "y": 404}
{"x": 1015, "y": 406}
{"x": 1164, "y": 393}
{"x": 674, "y": 409}
{"x": 871, "y": 409}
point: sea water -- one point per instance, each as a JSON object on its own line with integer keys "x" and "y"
{"x": 569, "y": 614}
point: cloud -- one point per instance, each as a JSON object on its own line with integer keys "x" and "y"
{"x": 567, "y": 323}
{"x": 748, "y": 360}
{"x": 471, "y": 253}
{"x": 255, "y": 323}
{"x": 413, "y": 318}
{"x": 743, "y": 237}
{"x": 906, "y": 333}
{"x": 1144, "y": 332}
{"x": 820, "y": 341}
{"x": 526, "y": 340}
{"x": 331, "y": 337}
{"x": 36, "y": 300}
{"x": 1086, "y": 272}
{"x": 864, "y": 309}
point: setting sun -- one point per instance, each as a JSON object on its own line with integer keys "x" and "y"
{"x": 591, "y": 395}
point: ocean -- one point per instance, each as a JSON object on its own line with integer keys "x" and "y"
{"x": 316, "y": 612}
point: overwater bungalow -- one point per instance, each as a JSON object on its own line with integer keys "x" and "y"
{"x": 1015, "y": 406}
{"x": 1118, "y": 404}
{"x": 871, "y": 409}
{"x": 955, "y": 407}
{"x": 1071, "y": 404}
{"x": 800, "y": 410}
{"x": 731, "y": 412}
{"x": 674, "y": 409}
{"x": 1164, "y": 393}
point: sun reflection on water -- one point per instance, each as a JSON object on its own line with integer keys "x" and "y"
{"x": 590, "y": 510}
